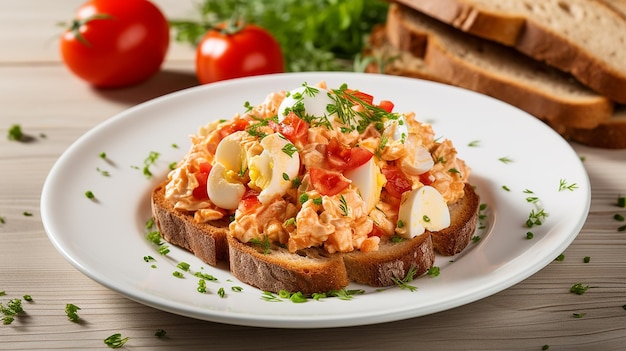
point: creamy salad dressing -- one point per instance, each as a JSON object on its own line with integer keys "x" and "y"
{"x": 283, "y": 202}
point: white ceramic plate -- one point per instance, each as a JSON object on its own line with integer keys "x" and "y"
{"x": 505, "y": 147}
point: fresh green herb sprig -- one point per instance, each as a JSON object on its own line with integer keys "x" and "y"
{"x": 317, "y": 35}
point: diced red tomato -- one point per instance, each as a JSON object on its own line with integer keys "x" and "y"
{"x": 386, "y": 105}
{"x": 237, "y": 125}
{"x": 376, "y": 231}
{"x": 200, "y": 192}
{"x": 249, "y": 201}
{"x": 343, "y": 157}
{"x": 426, "y": 178}
{"x": 293, "y": 128}
{"x": 397, "y": 182}
{"x": 367, "y": 98}
{"x": 328, "y": 182}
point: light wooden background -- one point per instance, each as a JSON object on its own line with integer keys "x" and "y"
{"x": 37, "y": 92}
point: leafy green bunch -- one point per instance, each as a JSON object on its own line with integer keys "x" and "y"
{"x": 316, "y": 35}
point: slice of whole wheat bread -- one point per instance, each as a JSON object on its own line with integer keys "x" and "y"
{"x": 306, "y": 271}
{"x": 463, "y": 60}
{"x": 586, "y": 38}
{"x": 207, "y": 241}
{"x": 393, "y": 261}
{"x": 609, "y": 135}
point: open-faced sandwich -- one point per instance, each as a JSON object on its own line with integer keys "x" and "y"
{"x": 317, "y": 187}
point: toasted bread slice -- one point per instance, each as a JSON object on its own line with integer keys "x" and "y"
{"x": 463, "y": 219}
{"x": 274, "y": 268}
{"x": 307, "y": 271}
{"x": 391, "y": 262}
{"x": 207, "y": 241}
{"x": 463, "y": 60}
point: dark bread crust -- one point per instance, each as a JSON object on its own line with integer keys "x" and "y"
{"x": 391, "y": 261}
{"x": 463, "y": 219}
{"x": 207, "y": 241}
{"x": 308, "y": 271}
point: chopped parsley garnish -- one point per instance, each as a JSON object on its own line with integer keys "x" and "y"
{"x": 343, "y": 205}
{"x": 89, "y": 194}
{"x": 560, "y": 257}
{"x": 618, "y": 217}
{"x": 71, "y": 311}
{"x": 103, "y": 172}
{"x": 13, "y": 308}
{"x": 178, "y": 274}
{"x": 149, "y": 161}
{"x": 236, "y": 289}
{"x": 505, "y": 160}
{"x": 529, "y": 235}
{"x": 183, "y": 266}
{"x": 587, "y": 259}
{"x": 621, "y": 201}
{"x": 27, "y": 214}
{"x": 474, "y": 143}
{"x": 159, "y": 333}
{"x": 579, "y": 289}
{"x": 578, "y": 315}
{"x": 535, "y": 218}
{"x": 404, "y": 282}
{"x": 564, "y": 186}
{"x": 433, "y": 271}
{"x": 426, "y": 218}
{"x": 115, "y": 341}
{"x": 304, "y": 198}
{"x": 205, "y": 276}
{"x": 506, "y": 188}
{"x": 148, "y": 258}
{"x": 201, "y": 286}
{"x": 103, "y": 155}
{"x": 475, "y": 239}
{"x": 15, "y": 133}
{"x": 264, "y": 244}
{"x": 289, "y": 149}
{"x": 221, "y": 292}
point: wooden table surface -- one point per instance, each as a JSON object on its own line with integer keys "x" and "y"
{"x": 39, "y": 93}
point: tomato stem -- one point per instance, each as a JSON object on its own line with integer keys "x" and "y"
{"x": 76, "y": 24}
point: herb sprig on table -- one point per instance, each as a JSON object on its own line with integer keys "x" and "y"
{"x": 313, "y": 35}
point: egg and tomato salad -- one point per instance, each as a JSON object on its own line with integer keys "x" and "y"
{"x": 320, "y": 167}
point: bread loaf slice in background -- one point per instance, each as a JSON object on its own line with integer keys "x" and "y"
{"x": 457, "y": 58}
{"x": 586, "y": 38}
{"x": 609, "y": 135}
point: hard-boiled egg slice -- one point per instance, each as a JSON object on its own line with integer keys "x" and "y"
{"x": 422, "y": 209}
{"x": 417, "y": 161}
{"x": 224, "y": 188}
{"x": 230, "y": 153}
{"x": 314, "y": 101}
{"x": 369, "y": 182}
{"x": 273, "y": 170}
{"x": 396, "y": 129}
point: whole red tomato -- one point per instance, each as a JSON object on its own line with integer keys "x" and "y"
{"x": 115, "y": 43}
{"x": 225, "y": 53}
